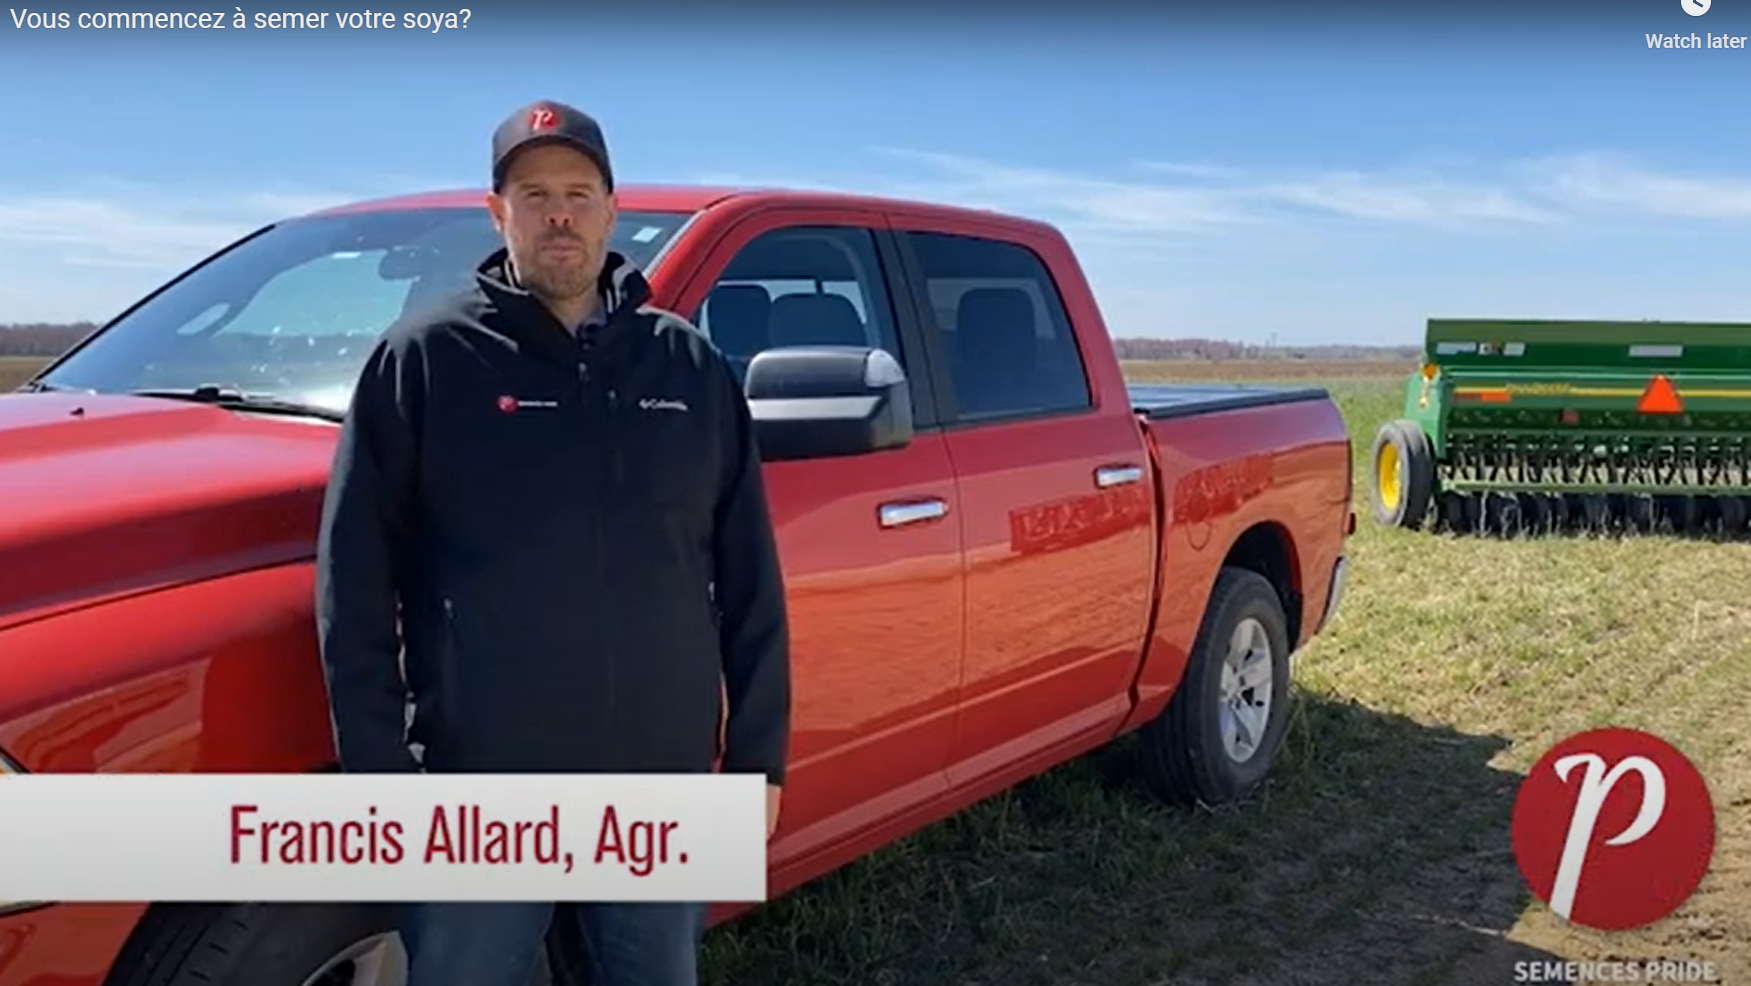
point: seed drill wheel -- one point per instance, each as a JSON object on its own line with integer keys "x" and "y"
{"x": 1404, "y": 475}
{"x": 1642, "y": 513}
{"x": 1547, "y": 513}
{"x": 1597, "y": 512}
{"x": 1502, "y": 516}
{"x": 1733, "y": 514}
{"x": 1454, "y": 511}
{"x": 1683, "y": 514}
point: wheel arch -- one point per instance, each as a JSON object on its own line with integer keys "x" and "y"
{"x": 1269, "y": 549}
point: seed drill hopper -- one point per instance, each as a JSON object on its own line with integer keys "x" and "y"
{"x": 1553, "y": 424}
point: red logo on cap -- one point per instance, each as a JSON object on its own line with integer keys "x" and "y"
{"x": 507, "y": 403}
{"x": 543, "y": 118}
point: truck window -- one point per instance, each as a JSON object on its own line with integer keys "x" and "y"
{"x": 800, "y": 286}
{"x": 1002, "y": 325}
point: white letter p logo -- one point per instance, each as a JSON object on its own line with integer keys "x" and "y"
{"x": 1596, "y": 784}
{"x": 1648, "y": 869}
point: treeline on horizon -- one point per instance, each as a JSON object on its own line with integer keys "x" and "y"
{"x": 46, "y": 340}
{"x": 41, "y": 338}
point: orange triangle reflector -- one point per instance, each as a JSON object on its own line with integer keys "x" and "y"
{"x": 1660, "y": 398}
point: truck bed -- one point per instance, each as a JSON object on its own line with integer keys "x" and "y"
{"x": 1159, "y": 402}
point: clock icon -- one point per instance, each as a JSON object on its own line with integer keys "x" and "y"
{"x": 1695, "y": 8}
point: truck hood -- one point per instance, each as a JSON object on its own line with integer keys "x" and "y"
{"x": 103, "y": 496}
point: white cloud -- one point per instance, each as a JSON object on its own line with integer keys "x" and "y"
{"x": 1606, "y": 184}
{"x": 83, "y": 231}
{"x": 1175, "y": 199}
{"x": 87, "y": 251}
{"x": 1399, "y": 198}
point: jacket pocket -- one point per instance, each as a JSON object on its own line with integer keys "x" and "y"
{"x": 443, "y": 683}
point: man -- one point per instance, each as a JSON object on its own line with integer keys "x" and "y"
{"x": 548, "y": 497}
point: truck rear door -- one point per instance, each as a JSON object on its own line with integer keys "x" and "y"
{"x": 871, "y": 544}
{"x": 1054, "y": 496}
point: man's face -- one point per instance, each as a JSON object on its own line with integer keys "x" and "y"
{"x": 555, "y": 213}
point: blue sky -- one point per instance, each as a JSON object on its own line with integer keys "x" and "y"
{"x": 1338, "y": 182}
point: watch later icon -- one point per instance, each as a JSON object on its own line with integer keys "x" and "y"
{"x": 1695, "y": 8}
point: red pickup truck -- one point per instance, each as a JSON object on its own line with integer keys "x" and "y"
{"x": 998, "y": 556}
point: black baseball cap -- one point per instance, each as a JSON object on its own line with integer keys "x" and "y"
{"x": 548, "y": 122}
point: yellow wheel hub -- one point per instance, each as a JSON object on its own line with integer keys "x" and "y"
{"x": 1386, "y": 476}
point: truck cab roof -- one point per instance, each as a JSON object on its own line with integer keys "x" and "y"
{"x": 653, "y": 197}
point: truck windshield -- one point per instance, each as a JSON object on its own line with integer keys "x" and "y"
{"x": 290, "y": 314}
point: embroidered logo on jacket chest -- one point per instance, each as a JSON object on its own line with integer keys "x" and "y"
{"x": 510, "y": 404}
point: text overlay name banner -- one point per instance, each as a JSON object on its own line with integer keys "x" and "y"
{"x": 397, "y": 837}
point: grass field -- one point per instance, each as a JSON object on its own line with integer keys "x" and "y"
{"x": 14, "y": 370}
{"x": 1378, "y": 852}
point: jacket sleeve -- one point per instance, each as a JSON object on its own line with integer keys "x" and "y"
{"x": 755, "y": 638}
{"x": 360, "y": 554}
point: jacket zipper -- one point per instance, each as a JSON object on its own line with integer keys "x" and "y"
{"x": 587, "y": 404}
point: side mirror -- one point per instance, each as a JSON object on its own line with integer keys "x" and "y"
{"x": 812, "y": 402}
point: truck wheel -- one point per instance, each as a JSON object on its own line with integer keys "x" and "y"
{"x": 271, "y": 945}
{"x": 1217, "y": 737}
{"x": 1404, "y": 475}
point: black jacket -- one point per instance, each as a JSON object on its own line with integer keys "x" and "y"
{"x": 566, "y": 541}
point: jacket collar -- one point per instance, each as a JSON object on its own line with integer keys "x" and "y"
{"x": 622, "y": 285}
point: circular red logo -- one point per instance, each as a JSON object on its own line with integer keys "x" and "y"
{"x": 507, "y": 404}
{"x": 1613, "y": 828}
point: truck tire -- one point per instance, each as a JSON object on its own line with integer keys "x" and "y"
{"x": 1189, "y": 753}
{"x": 274, "y": 945}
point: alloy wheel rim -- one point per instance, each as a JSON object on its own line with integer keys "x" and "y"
{"x": 1245, "y": 702}
{"x": 378, "y": 960}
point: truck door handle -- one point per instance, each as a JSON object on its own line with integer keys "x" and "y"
{"x": 903, "y": 512}
{"x": 1107, "y": 476}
